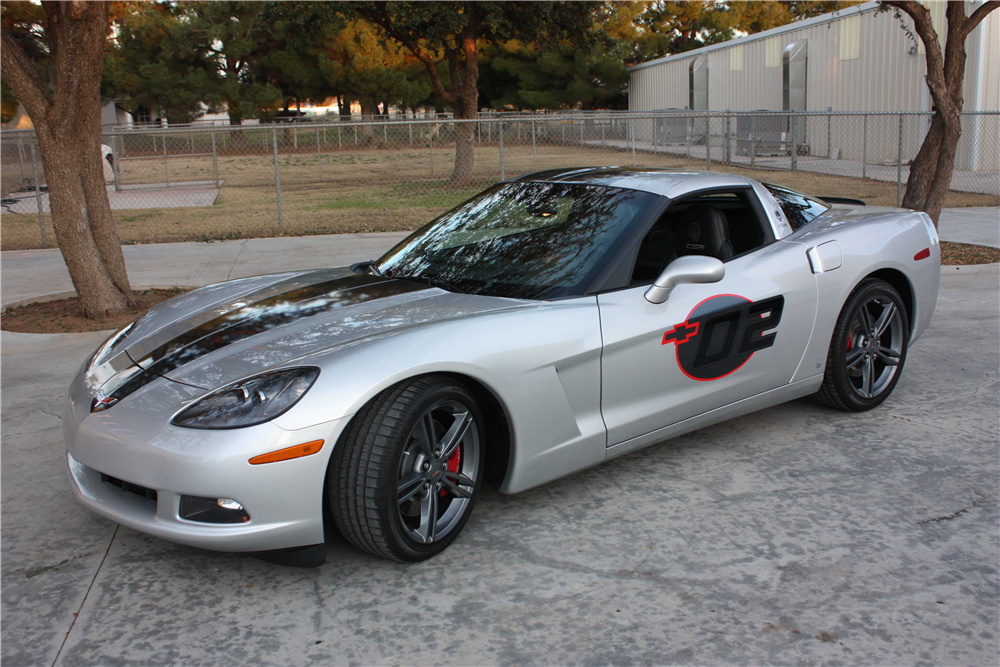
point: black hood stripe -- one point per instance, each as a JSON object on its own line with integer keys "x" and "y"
{"x": 257, "y": 317}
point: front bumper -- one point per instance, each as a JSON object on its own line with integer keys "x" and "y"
{"x": 135, "y": 443}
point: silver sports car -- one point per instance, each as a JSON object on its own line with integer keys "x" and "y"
{"x": 546, "y": 325}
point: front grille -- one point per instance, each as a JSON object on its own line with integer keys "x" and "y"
{"x": 148, "y": 494}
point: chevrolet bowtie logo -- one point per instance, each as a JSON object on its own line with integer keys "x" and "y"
{"x": 681, "y": 333}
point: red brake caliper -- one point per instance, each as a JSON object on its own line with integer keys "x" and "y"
{"x": 453, "y": 464}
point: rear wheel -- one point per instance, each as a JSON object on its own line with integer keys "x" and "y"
{"x": 404, "y": 479}
{"x": 868, "y": 348}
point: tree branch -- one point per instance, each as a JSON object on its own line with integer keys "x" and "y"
{"x": 383, "y": 19}
{"x": 471, "y": 83}
{"x": 977, "y": 16}
{"x": 921, "y": 17}
{"x": 22, "y": 77}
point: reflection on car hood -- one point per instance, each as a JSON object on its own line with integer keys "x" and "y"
{"x": 210, "y": 341}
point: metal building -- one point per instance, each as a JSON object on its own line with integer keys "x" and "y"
{"x": 856, "y": 59}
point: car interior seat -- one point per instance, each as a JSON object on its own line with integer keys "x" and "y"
{"x": 703, "y": 230}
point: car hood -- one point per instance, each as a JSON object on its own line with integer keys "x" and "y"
{"x": 222, "y": 333}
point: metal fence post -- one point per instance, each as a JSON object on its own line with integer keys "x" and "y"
{"x": 829, "y": 132}
{"x": 215, "y": 159}
{"x": 602, "y": 133}
{"x": 500, "y": 135}
{"x": 430, "y": 142}
{"x": 38, "y": 195}
{"x": 581, "y": 133}
{"x": 340, "y": 138}
{"x": 409, "y": 126}
{"x": 899, "y": 164}
{"x": 795, "y": 144}
{"x": 114, "y": 162}
{"x": 534, "y": 153}
{"x": 708, "y": 142}
{"x": 166, "y": 171}
{"x": 277, "y": 181}
{"x": 753, "y": 151}
{"x": 864, "y": 151}
{"x": 20, "y": 155}
{"x": 631, "y": 131}
{"x": 319, "y": 155}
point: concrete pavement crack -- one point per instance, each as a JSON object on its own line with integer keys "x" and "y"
{"x": 242, "y": 248}
{"x": 961, "y": 365}
{"x": 978, "y": 501}
{"x": 86, "y": 595}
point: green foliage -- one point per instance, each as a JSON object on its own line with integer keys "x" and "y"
{"x": 366, "y": 66}
{"x": 230, "y": 28}
{"x": 675, "y": 27}
{"x": 8, "y": 103}
{"x": 25, "y": 23}
{"x": 292, "y": 39}
{"x": 160, "y": 63}
{"x": 446, "y": 36}
{"x": 562, "y": 77}
{"x": 254, "y": 58}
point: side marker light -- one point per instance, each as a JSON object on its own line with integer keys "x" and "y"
{"x": 288, "y": 453}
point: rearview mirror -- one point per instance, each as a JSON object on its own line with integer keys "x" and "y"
{"x": 688, "y": 269}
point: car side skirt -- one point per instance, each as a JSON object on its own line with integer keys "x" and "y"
{"x": 767, "y": 399}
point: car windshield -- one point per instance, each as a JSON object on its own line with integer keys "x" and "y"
{"x": 522, "y": 240}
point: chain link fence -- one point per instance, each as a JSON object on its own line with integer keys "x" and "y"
{"x": 209, "y": 182}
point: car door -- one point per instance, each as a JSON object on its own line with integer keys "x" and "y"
{"x": 708, "y": 345}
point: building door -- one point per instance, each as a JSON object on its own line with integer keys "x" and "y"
{"x": 698, "y": 94}
{"x": 794, "y": 78}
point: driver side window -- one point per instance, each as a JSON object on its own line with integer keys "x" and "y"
{"x": 718, "y": 224}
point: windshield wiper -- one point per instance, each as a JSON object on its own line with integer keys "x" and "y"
{"x": 361, "y": 267}
{"x": 433, "y": 282}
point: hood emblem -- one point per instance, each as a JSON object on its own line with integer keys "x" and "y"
{"x": 102, "y": 401}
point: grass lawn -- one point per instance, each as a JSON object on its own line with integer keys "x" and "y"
{"x": 376, "y": 190}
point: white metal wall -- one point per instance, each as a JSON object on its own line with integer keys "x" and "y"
{"x": 885, "y": 76}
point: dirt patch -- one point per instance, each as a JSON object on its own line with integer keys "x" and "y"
{"x": 953, "y": 254}
{"x": 63, "y": 316}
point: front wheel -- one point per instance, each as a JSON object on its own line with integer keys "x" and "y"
{"x": 404, "y": 479}
{"x": 868, "y": 348}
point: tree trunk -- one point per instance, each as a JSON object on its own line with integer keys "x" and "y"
{"x": 924, "y": 166}
{"x": 945, "y": 167}
{"x": 369, "y": 111}
{"x": 344, "y": 108}
{"x": 68, "y": 126}
{"x": 465, "y": 134}
{"x": 931, "y": 171}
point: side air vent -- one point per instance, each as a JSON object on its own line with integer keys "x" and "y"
{"x": 148, "y": 494}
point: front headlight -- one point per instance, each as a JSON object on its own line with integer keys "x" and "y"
{"x": 253, "y": 400}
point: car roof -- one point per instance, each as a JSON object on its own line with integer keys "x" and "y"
{"x": 670, "y": 183}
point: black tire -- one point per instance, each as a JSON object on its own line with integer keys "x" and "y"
{"x": 838, "y": 389}
{"x": 366, "y": 466}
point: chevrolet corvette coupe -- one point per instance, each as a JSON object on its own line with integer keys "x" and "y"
{"x": 548, "y": 324}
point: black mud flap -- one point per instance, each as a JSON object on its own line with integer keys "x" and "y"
{"x": 309, "y": 556}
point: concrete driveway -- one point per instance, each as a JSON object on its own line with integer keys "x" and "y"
{"x": 794, "y": 535}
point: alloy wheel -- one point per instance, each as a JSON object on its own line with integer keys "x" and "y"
{"x": 874, "y": 346}
{"x": 437, "y": 471}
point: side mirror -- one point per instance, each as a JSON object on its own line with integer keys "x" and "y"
{"x": 687, "y": 269}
